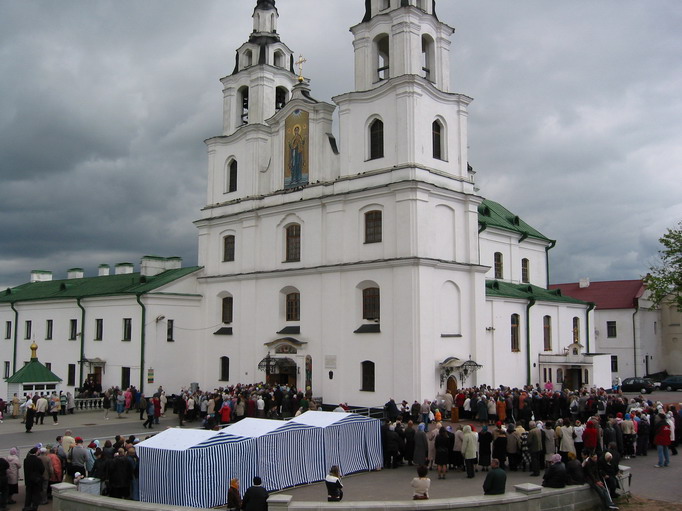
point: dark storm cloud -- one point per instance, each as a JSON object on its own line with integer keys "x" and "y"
{"x": 104, "y": 106}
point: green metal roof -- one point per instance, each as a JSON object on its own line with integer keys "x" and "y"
{"x": 501, "y": 289}
{"x": 126, "y": 284}
{"x": 492, "y": 214}
{"x": 34, "y": 372}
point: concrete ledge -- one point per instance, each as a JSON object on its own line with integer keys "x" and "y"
{"x": 528, "y": 488}
{"x": 571, "y": 498}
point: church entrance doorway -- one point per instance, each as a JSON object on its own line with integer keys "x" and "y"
{"x": 573, "y": 379}
{"x": 452, "y": 385}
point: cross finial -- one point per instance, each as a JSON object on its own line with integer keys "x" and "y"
{"x": 300, "y": 63}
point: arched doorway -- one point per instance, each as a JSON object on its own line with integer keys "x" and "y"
{"x": 452, "y": 385}
{"x": 279, "y": 370}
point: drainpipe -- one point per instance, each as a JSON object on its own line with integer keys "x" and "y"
{"x": 143, "y": 330}
{"x": 634, "y": 336}
{"x": 80, "y": 372}
{"x": 552, "y": 244}
{"x": 16, "y": 329}
{"x": 531, "y": 302}
{"x": 587, "y": 323}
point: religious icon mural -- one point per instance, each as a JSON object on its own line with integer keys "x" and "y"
{"x": 296, "y": 151}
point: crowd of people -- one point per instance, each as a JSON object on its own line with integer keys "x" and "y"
{"x": 69, "y": 459}
{"x": 567, "y": 437}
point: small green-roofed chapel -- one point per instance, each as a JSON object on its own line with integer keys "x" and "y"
{"x": 33, "y": 377}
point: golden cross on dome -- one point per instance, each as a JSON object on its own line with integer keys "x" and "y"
{"x": 300, "y": 63}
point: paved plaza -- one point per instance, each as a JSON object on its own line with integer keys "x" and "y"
{"x": 391, "y": 484}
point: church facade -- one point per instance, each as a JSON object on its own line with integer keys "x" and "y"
{"x": 360, "y": 269}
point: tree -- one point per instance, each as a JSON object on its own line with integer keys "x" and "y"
{"x": 664, "y": 281}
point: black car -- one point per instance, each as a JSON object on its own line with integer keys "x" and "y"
{"x": 672, "y": 383}
{"x": 641, "y": 385}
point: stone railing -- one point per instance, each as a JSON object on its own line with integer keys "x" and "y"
{"x": 88, "y": 403}
{"x": 527, "y": 497}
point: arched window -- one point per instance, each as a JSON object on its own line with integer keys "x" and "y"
{"x": 371, "y": 303}
{"x": 576, "y": 329}
{"x": 244, "y": 105}
{"x": 437, "y": 137}
{"x": 281, "y": 94}
{"x": 224, "y": 368}
{"x": 279, "y": 58}
{"x": 293, "y": 307}
{"x": 547, "y": 332}
{"x": 525, "y": 271}
{"x": 367, "y": 376}
{"x": 227, "y": 309}
{"x": 515, "y": 332}
{"x": 383, "y": 59}
{"x": 560, "y": 375}
{"x": 499, "y": 265}
{"x": 247, "y": 59}
{"x": 232, "y": 177}
{"x": 376, "y": 139}
{"x": 428, "y": 58}
{"x": 373, "y": 227}
{"x": 293, "y": 243}
{"x": 228, "y": 248}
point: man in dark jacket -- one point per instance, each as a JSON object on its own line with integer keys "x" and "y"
{"x": 4, "y": 466}
{"x": 256, "y": 497}
{"x": 120, "y": 476}
{"x": 593, "y": 477}
{"x": 495, "y": 480}
{"x": 555, "y": 475}
{"x": 33, "y": 477}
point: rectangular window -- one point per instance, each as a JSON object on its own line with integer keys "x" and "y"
{"x": 371, "y": 304}
{"x": 499, "y": 265}
{"x": 547, "y": 325}
{"x": 49, "y": 326}
{"x": 293, "y": 307}
{"x": 73, "y": 329}
{"x": 525, "y": 271}
{"x": 48, "y": 366}
{"x": 127, "y": 329}
{"x": 293, "y": 243}
{"x": 7, "y": 366}
{"x": 611, "y": 329}
{"x": 614, "y": 363}
{"x": 169, "y": 330}
{"x": 27, "y": 329}
{"x": 227, "y": 309}
{"x": 125, "y": 377}
{"x": 224, "y": 368}
{"x": 373, "y": 227}
{"x": 99, "y": 329}
{"x": 8, "y": 329}
{"x": 71, "y": 378}
{"x": 515, "y": 326}
{"x": 228, "y": 248}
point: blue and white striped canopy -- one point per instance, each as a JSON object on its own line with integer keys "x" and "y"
{"x": 193, "y": 467}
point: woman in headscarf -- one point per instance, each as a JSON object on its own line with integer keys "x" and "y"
{"x": 420, "y": 445}
{"x": 234, "y": 499}
{"x": 431, "y": 437}
{"x": 485, "y": 441}
{"x": 442, "y": 446}
{"x": 13, "y": 474}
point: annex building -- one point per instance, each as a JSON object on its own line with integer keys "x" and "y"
{"x": 361, "y": 268}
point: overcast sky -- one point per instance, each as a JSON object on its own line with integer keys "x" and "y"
{"x": 576, "y": 123}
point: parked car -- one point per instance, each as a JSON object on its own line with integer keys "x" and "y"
{"x": 641, "y": 385}
{"x": 672, "y": 383}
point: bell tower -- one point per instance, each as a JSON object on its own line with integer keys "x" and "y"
{"x": 263, "y": 75}
{"x": 401, "y": 37}
{"x": 402, "y": 113}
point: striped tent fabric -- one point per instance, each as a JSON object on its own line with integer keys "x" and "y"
{"x": 298, "y": 459}
{"x": 353, "y": 442}
{"x": 194, "y": 467}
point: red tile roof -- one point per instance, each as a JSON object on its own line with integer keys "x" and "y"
{"x": 614, "y": 294}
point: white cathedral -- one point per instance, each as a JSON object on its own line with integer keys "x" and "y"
{"x": 360, "y": 269}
